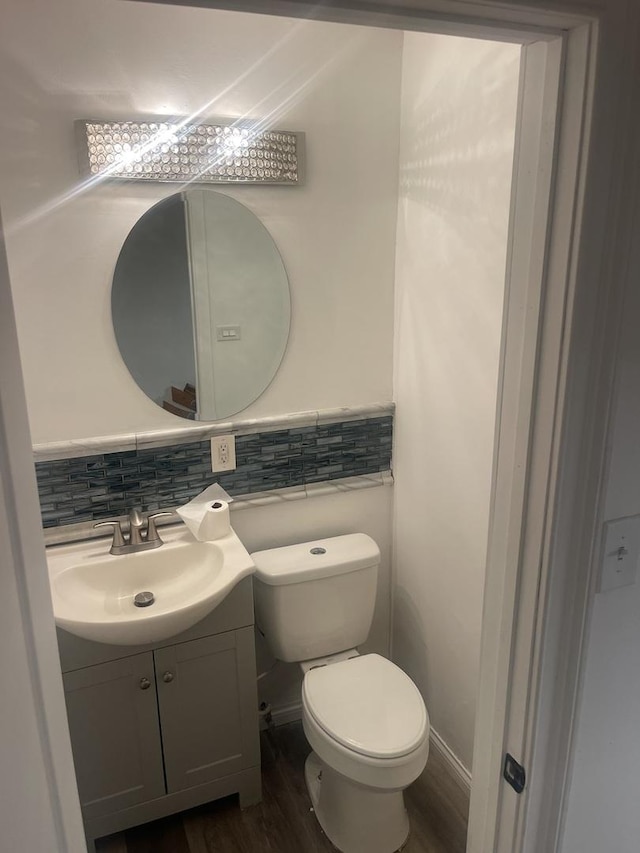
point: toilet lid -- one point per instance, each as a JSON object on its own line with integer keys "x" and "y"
{"x": 367, "y": 704}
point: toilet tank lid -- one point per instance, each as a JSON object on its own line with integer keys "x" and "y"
{"x": 320, "y": 558}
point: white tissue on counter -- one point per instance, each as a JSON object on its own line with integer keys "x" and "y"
{"x": 207, "y": 515}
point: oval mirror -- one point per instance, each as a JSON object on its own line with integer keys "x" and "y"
{"x": 200, "y": 305}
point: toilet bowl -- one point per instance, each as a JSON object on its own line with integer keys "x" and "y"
{"x": 364, "y": 718}
{"x": 369, "y": 730}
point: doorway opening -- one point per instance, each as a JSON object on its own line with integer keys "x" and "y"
{"x": 549, "y": 174}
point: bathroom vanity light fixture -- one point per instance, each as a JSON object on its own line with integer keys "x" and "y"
{"x": 237, "y": 153}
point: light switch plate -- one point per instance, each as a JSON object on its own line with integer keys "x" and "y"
{"x": 228, "y": 333}
{"x": 620, "y": 553}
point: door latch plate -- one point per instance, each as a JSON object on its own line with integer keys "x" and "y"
{"x": 514, "y": 773}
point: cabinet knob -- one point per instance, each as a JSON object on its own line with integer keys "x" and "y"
{"x": 167, "y": 677}
{"x": 145, "y": 684}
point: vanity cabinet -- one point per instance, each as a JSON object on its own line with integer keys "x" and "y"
{"x": 159, "y": 729}
{"x": 115, "y": 732}
{"x": 202, "y": 689}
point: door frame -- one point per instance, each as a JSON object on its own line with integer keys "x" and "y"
{"x": 549, "y": 176}
{"x": 561, "y": 500}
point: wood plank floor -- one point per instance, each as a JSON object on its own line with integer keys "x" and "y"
{"x": 284, "y": 823}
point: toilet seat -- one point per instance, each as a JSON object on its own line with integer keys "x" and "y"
{"x": 368, "y": 705}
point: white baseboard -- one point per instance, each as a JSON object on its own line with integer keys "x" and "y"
{"x": 284, "y": 714}
{"x": 457, "y": 768}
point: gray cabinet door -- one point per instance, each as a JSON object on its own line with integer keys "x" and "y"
{"x": 208, "y": 708}
{"x": 113, "y": 719}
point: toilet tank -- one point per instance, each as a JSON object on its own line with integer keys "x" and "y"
{"x": 316, "y": 598}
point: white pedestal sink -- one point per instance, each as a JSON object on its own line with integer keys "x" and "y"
{"x": 93, "y": 591}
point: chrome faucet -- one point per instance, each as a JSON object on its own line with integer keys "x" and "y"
{"x": 138, "y": 541}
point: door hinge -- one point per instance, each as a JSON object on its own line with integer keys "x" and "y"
{"x": 514, "y": 773}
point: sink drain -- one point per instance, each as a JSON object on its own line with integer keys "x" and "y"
{"x": 144, "y": 599}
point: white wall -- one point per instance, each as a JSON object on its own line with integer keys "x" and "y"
{"x": 603, "y": 807}
{"x": 105, "y": 59}
{"x": 457, "y": 135}
{"x": 336, "y": 234}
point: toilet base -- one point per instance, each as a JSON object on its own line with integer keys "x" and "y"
{"x": 355, "y": 819}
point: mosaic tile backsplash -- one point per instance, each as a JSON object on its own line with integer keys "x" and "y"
{"x": 92, "y": 488}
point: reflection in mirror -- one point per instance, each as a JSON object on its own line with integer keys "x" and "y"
{"x": 200, "y": 305}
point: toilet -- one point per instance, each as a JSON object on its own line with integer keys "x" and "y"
{"x": 364, "y": 718}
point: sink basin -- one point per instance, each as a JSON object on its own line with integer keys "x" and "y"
{"x": 93, "y": 591}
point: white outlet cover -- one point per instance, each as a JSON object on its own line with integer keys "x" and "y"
{"x": 620, "y": 553}
{"x": 228, "y": 443}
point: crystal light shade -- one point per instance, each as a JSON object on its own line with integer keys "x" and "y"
{"x": 203, "y": 153}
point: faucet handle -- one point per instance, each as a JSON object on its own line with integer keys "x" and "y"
{"x": 136, "y": 518}
{"x": 152, "y": 532}
{"x": 118, "y": 538}
{"x": 136, "y": 521}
